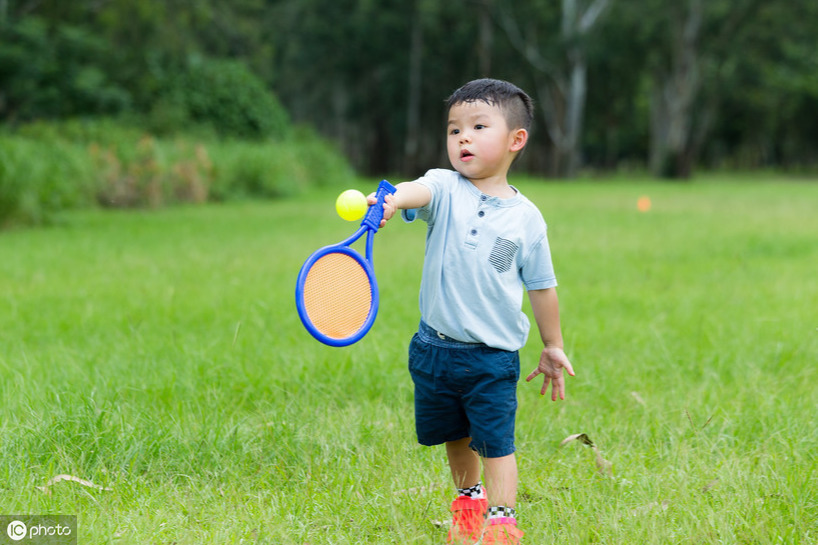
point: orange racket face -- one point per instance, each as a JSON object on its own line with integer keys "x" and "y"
{"x": 337, "y": 295}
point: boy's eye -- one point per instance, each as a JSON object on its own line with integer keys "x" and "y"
{"x": 455, "y": 131}
{"x": 479, "y": 126}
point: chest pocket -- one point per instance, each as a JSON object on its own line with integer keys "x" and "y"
{"x": 502, "y": 254}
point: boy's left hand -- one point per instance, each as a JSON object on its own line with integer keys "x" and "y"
{"x": 552, "y": 361}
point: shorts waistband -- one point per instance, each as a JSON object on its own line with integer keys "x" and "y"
{"x": 432, "y": 336}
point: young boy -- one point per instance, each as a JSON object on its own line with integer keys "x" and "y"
{"x": 485, "y": 241}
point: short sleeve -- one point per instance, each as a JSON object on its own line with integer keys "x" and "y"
{"x": 537, "y": 272}
{"x": 435, "y": 181}
{"x": 409, "y": 214}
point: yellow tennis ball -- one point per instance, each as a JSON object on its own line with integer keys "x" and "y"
{"x": 351, "y": 205}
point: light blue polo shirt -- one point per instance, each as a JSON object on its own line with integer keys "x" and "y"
{"x": 482, "y": 252}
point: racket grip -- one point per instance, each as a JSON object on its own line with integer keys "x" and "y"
{"x": 374, "y": 215}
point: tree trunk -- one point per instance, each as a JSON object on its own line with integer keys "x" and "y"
{"x": 562, "y": 99}
{"x": 575, "y": 111}
{"x": 412, "y": 144}
{"x": 672, "y": 99}
{"x": 485, "y": 38}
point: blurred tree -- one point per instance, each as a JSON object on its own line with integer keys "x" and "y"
{"x": 676, "y": 85}
{"x": 769, "y": 90}
{"x": 618, "y": 113}
{"x": 562, "y": 98}
{"x": 55, "y": 71}
{"x": 77, "y": 58}
{"x": 688, "y": 45}
{"x": 227, "y": 96}
{"x": 371, "y": 70}
{"x": 414, "y": 97}
{"x": 647, "y": 82}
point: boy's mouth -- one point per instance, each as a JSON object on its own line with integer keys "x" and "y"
{"x": 465, "y": 155}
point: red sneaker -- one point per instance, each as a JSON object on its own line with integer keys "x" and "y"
{"x": 502, "y": 531}
{"x": 467, "y": 520}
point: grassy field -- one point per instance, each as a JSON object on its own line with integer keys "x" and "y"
{"x": 158, "y": 355}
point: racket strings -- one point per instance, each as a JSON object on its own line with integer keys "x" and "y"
{"x": 337, "y": 295}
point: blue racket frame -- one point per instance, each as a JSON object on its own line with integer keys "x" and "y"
{"x": 369, "y": 226}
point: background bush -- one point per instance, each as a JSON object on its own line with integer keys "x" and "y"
{"x": 280, "y": 168}
{"x": 46, "y": 168}
{"x": 59, "y": 71}
{"x": 37, "y": 181}
{"x": 226, "y": 95}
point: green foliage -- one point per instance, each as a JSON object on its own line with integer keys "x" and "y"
{"x": 46, "y": 168}
{"x": 152, "y": 174}
{"x": 373, "y": 75}
{"x": 225, "y": 95}
{"x": 56, "y": 72}
{"x": 279, "y": 168}
{"x": 126, "y": 167}
{"x": 38, "y": 179}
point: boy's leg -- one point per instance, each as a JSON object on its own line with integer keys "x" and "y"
{"x": 501, "y": 486}
{"x": 463, "y": 462}
{"x": 468, "y": 511}
{"x": 501, "y": 480}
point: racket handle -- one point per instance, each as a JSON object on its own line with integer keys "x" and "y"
{"x": 374, "y": 215}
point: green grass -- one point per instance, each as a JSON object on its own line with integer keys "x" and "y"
{"x": 159, "y": 354}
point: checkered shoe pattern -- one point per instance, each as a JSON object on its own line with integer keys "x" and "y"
{"x": 496, "y": 511}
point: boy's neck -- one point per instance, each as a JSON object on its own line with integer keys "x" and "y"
{"x": 494, "y": 187}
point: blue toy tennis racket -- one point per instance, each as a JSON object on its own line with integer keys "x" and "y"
{"x": 336, "y": 293}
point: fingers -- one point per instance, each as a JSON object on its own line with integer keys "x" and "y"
{"x": 387, "y": 214}
{"x": 550, "y": 367}
{"x": 546, "y": 381}
{"x": 389, "y": 207}
{"x": 533, "y": 374}
{"x": 556, "y": 380}
{"x": 558, "y": 388}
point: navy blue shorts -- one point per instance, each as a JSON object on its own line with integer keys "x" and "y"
{"x": 464, "y": 390}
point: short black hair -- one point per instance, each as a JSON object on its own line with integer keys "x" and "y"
{"x": 516, "y": 105}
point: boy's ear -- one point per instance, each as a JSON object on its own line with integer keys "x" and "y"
{"x": 519, "y": 138}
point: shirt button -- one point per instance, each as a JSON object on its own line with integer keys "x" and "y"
{"x": 481, "y": 213}
{"x": 473, "y": 232}
{"x": 483, "y": 197}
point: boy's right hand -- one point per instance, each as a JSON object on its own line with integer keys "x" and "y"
{"x": 389, "y": 206}
{"x": 407, "y": 195}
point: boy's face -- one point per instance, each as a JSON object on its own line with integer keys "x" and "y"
{"x": 479, "y": 142}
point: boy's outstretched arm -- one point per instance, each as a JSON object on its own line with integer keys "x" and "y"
{"x": 408, "y": 195}
{"x": 545, "y": 305}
